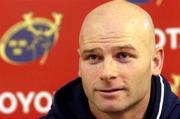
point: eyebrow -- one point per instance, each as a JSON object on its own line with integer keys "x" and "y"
{"x": 91, "y": 50}
{"x": 129, "y": 47}
{"x": 125, "y": 47}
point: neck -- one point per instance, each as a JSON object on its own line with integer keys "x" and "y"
{"x": 136, "y": 111}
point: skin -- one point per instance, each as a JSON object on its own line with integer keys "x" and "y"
{"x": 117, "y": 60}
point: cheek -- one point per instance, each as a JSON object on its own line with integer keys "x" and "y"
{"x": 89, "y": 72}
{"x": 140, "y": 80}
{"x": 89, "y": 77}
{"x": 140, "y": 68}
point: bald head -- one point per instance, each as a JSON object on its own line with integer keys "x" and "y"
{"x": 117, "y": 52}
{"x": 117, "y": 18}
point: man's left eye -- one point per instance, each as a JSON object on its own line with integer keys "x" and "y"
{"x": 123, "y": 56}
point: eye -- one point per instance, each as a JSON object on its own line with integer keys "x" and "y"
{"x": 93, "y": 59}
{"x": 123, "y": 56}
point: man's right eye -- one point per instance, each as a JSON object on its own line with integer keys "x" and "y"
{"x": 93, "y": 59}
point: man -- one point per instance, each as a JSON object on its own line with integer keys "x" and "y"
{"x": 119, "y": 70}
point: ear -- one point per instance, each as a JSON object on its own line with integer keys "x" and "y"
{"x": 78, "y": 50}
{"x": 79, "y": 74}
{"x": 157, "y": 61}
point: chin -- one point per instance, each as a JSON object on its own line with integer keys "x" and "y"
{"x": 110, "y": 108}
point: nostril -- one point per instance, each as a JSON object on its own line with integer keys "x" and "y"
{"x": 108, "y": 77}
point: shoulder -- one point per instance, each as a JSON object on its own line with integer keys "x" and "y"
{"x": 175, "y": 114}
{"x": 67, "y": 94}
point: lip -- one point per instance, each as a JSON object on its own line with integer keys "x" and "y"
{"x": 110, "y": 93}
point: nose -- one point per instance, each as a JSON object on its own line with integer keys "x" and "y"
{"x": 109, "y": 69}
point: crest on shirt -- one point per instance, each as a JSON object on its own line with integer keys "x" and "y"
{"x": 30, "y": 39}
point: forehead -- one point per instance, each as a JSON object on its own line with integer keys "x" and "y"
{"x": 111, "y": 30}
{"x": 114, "y": 32}
{"x": 112, "y": 44}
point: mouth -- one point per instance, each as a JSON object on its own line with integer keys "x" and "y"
{"x": 110, "y": 93}
{"x": 110, "y": 90}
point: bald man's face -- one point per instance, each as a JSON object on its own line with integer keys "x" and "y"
{"x": 115, "y": 63}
